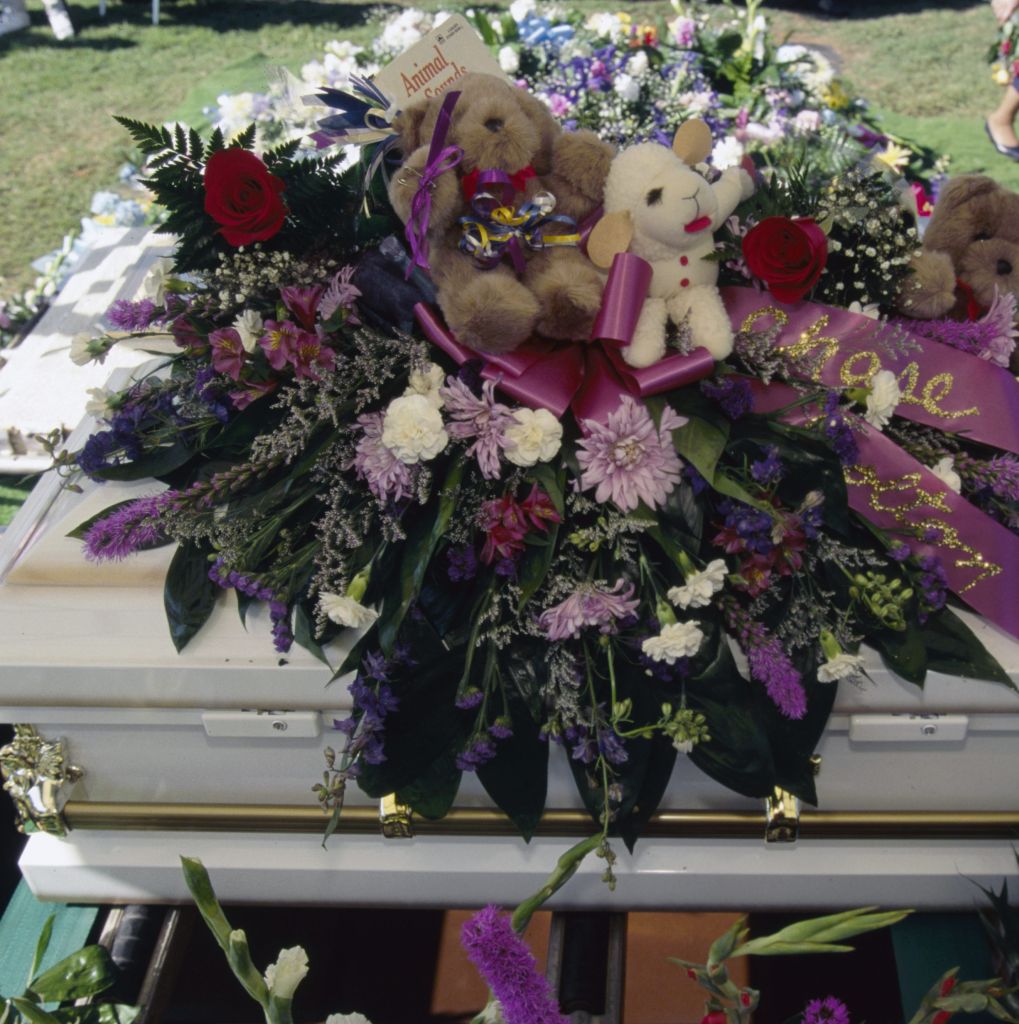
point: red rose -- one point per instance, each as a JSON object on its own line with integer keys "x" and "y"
{"x": 787, "y": 255}
{"x": 242, "y": 196}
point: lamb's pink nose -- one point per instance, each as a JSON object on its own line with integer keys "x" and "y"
{"x": 697, "y": 225}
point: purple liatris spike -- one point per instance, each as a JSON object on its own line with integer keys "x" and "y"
{"x": 126, "y": 530}
{"x": 508, "y": 966}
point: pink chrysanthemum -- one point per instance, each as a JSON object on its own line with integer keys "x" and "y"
{"x": 627, "y": 459}
{"x": 483, "y": 418}
{"x": 387, "y": 477}
{"x": 589, "y": 606}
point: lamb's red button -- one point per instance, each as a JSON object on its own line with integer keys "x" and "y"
{"x": 684, "y": 260}
{"x": 685, "y": 283}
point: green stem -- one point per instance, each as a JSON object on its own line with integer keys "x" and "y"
{"x": 565, "y": 869}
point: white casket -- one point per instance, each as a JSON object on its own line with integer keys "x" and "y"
{"x": 213, "y": 752}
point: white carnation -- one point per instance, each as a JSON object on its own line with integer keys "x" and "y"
{"x": 283, "y": 977}
{"x": 509, "y": 60}
{"x": 944, "y": 470}
{"x": 842, "y": 666}
{"x": 249, "y": 326}
{"x": 699, "y": 588}
{"x": 345, "y": 611}
{"x": 98, "y": 404}
{"x": 347, "y": 1018}
{"x": 426, "y": 380}
{"x": 536, "y": 437}
{"x": 637, "y": 65}
{"x": 412, "y": 429}
{"x": 520, "y": 9}
{"x": 882, "y": 399}
{"x": 680, "y": 640}
{"x": 84, "y": 349}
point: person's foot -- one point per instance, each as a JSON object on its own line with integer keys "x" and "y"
{"x": 12, "y": 20}
{"x": 1002, "y": 138}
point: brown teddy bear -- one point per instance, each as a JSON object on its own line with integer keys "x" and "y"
{"x": 970, "y": 249}
{"x": 500, "y": 127}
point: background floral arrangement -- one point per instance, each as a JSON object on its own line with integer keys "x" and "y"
{"x": 684, "y": 576}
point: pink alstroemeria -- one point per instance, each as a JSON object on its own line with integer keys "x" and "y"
{"x": 228, "y": 353}
{"x": 303, "y": 302}
{"x": 251, "y": 391}
{"x": 309, "y": 354}
{"x": 507, "y": 522}
{"x": 279, "y": 341}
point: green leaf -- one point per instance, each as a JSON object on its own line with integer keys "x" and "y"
{"x": 84, "y": 973}
{"x": 157, "y": 463}
{"x": 818, "y": 934}
{"x": 422, "y": 539}
{"x": 723, "y": 946}
{"x": 97, "y": 1013}
{"x": 953, "y": 648}
{"x": 534, "y": 566}
{"x": 33, "y": 1014}
{"x": 41, "y": 945}
{"x": 903, "y": 652}
{"x": 304, "y": 635}
{"x": 432, "y": 794}
{"x": 188, "y": 594}
{"x": 517, "y": 777}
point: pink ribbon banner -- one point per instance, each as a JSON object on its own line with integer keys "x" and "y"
{"x": 890, "y": 489}
{"x": 941, "y": 386}
{"x": 590, "y": 378}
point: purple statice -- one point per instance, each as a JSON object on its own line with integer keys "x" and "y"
{"x": 462, "y": 564}
{"x": 733, "y": 395}
{"x": 768, "y": 471}
{"x": 769, "y": 663}
{"x": 340, "y": 294}
{"x": 899, "y": 551}
{"x": 589, "y": 605}
{"x": 470, "y": 698}
{"x": 826, "y": 1011}
{"x": 483, "y": 419}
{"x": 127, "y": 529}
{"x": 211, "y": 394}
{"x": 629, "y": 460}
{"x": 95, "y": 454}
{"x": 745, "y": 529}
{"x": 933, "y": 585}
{"x": 992, "y": 337}
{"x": 509, "y": 969}
{"x": 131, "y": 316}
{"x": 838, "y": 431}
{"x": 501, "y": 729}
{"x": 479, "y": 751}
{"x": 387, "y": 477}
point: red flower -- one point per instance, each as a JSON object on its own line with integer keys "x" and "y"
{"x": 787, "y": 255}
{"x": 718, "y": 1017}
{"x": 243, "y": 197}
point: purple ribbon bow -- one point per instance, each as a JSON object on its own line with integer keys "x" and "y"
{"x": 441, "y": 158}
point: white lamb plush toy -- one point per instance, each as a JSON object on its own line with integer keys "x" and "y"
{"x": 659, "y": 208}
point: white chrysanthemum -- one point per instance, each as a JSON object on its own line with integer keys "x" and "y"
{"x": 154, "y": 285}
{"x": 412, "y": 429}
{"x": 944, "y": 470}
{"x": 403, "y": 31}
{"x": 249, "y": 326}
{"x": 536, "y": 437}
{"x": 701, "y": 587}
{"x": 283, "y": 977}
{"x": 842, "y": 666}
{"x": 98, "y": 404}
{"x": 696, "y": 102}
{"x": 347, "y": 1018}
{"x": 627, "y": 87}
{"x": 509, "y": 60}
{"x": 426, "y": 380}
{"x": 807, "y": 122}
{"x": 728, "y": 152}
{"x": 345, "y": 611}
{"x": 882, "y": 399}
{"x": 680, "y": 640}
{"x": 605, "y": 24}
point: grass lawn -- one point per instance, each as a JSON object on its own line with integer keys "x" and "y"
{"x": 921, "y": 63}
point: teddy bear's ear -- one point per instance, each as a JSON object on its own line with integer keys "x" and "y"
{"x": 692, "y": 142}
{"x": 962, "y": 189}
{"x": 609, "y": 237}
{"x": 407, "y": 124}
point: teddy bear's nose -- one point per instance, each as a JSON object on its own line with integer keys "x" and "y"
{"x": 494, "y": 124}
{"x": 1004, "y": 268}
